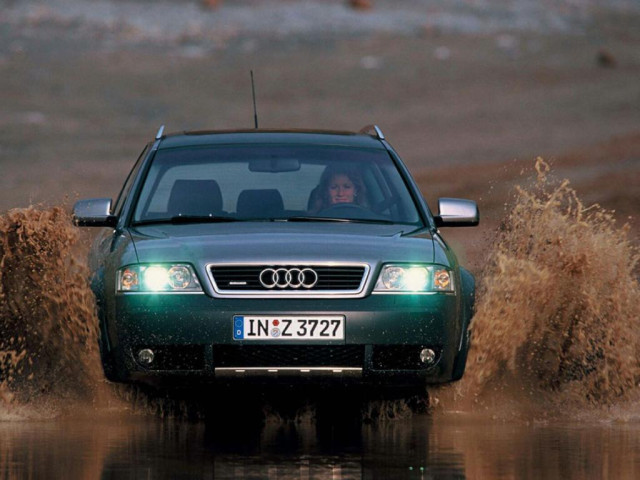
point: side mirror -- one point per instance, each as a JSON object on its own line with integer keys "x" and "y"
{"x": 457, "y": 212}
{"x": 95, "y": 212}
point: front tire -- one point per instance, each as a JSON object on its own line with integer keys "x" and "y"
{"x": 108, "y": 363}
{"x": 468, "y": 299}
{"x": 460, "y": 362}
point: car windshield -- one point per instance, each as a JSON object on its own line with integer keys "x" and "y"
{"x": 274, "y": 182}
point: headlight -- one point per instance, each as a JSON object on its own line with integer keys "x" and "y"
{"x": 414, "y": 278}
{"x": 158, "y": 278}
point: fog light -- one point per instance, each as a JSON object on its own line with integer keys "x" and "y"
{"x": 146, "y": 356}
{"x": 427, "y": 356}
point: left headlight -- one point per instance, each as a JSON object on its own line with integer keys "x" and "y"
{"x": 414, "y": 278}
{"x": 177, "y": 277}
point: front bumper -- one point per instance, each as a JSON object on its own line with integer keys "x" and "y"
{"x": 192, "y": 336}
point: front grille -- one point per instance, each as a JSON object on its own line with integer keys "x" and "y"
{"x": 288, "y": 355}
{"x": 246, "y": 278}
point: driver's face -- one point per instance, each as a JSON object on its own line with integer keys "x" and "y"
{"x": 341, "y": 189}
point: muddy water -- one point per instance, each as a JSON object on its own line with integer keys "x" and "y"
{"x": 551, "y": 389}
{"x": 421, "y": 447}
{"x": 558, "y": 314}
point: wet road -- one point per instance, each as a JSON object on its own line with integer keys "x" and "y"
{"x": 451, "y": 446}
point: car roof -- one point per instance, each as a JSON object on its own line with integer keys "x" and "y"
{"x": 262, "y": 136}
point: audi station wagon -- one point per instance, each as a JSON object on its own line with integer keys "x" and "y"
{"x": 266, "y": 256}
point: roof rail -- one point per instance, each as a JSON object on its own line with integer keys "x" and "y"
{"x": 160, "y": 132}
{"x": 373, "y": 130}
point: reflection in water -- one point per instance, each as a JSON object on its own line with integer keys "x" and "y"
{"x": 419, "y": 447}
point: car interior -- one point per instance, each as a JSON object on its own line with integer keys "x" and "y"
{"x": 195, "y": 197}
{"x": 264, "y": 203}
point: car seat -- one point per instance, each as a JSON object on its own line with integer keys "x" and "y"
{"x": 195, "y": 197}
{"x": 265, "y": 203}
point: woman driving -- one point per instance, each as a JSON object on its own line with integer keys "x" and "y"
{"x": 338, "y": 185}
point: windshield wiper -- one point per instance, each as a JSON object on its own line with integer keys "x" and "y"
{"x": 180, "y": 219}
{"x": 184, "y": 219}
{"x": 339, "y": 220}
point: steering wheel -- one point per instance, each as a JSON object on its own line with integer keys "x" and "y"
{"x": 344, "y": 208}
{"x": 385, "y": 204}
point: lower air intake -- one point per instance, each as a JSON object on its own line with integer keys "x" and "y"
{"x": 288, "y": 355}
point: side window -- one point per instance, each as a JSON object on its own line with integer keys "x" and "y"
{"x": 126, "y": 188}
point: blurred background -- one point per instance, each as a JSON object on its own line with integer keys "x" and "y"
{"x": 469, "y": 92}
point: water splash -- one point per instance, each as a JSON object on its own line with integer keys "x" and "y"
{"x": 558, "y": 314}
{"x": 48, "y": 326}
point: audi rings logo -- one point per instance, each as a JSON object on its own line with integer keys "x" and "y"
{"x": 288, "y": 278}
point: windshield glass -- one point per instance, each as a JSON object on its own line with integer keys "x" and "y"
{"x": 274, "y": 182}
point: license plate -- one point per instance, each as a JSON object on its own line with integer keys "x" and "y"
{"x": 319, "y": 327}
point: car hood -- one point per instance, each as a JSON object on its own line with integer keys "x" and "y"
{"x": 282, "y": 242}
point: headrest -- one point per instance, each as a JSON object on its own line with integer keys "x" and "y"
{"x": 195, "y": 197}
{"x": 260, "y": 203}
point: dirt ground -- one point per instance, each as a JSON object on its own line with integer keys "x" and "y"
{"x": 467, "y": 110}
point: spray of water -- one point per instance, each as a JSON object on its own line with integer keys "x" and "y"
{"x": 558, "y": 314}
{"x": 47, "y": 321}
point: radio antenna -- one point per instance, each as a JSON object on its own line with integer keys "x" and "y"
{"x": 255, "y": 111}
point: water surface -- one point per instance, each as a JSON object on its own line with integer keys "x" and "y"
{"x": 423, "y": 446}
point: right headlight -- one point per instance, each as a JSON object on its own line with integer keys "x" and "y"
{"x": 414, "y": 278}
